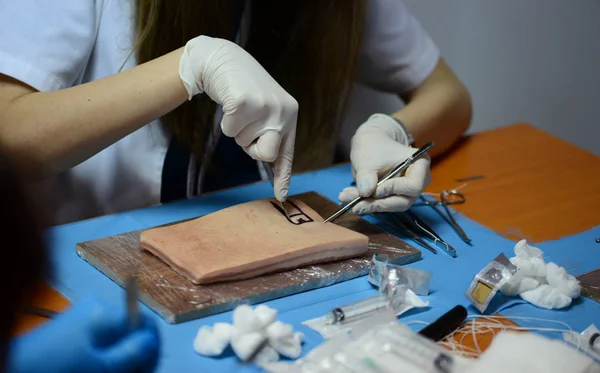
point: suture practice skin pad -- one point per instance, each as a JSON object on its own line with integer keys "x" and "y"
{"x": 178, "y": 300}
{"x": 251, "y": 239}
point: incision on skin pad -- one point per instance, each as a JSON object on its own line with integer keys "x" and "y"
{"x": 294, "y": 215}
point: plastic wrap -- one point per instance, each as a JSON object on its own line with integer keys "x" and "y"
{"x": 417, "y": 280}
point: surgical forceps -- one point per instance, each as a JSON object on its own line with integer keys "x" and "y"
{"x": 399, "y": 222}
{"x": 416, "y": 228}
{"x": 447, "y": 197}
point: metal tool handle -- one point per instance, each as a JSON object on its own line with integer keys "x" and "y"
{"x": 407, "y": 162}
{"x": 401, "y": 167}
{"x": 133, "y": 312}
{"x": 269, "y": 171}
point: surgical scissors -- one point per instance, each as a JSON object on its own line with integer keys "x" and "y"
{"x": 447, "y": 197}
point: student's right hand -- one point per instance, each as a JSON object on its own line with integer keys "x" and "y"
{"x": 90, "y": 337}
{"x": 257, "y": 111}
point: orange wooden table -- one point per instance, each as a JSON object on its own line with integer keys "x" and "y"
{"x": 534, "y": 182}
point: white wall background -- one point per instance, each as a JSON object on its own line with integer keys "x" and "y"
{"x": 535, "y": 61}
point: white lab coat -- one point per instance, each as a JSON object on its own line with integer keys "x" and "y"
{"x": 58, "y": 44}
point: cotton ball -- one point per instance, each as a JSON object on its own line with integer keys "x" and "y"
{"x": 265, "y": 315}
{"x": 279, "y": 330}
{"x": 266, "y": 355}
{"x": 213, "y": 341}
{"x": 528, "y": 284}
{"x": 283, "y": 340}
{"x": 525, "y": 251}
{"x": 245, "y": 319}
{"x": 518, "y": 284}
{"x": 244, "y": 345}
{"x": 547, "y": 297}
{"x": 288, "y": 347}
{"x": 532, "y": 267}
{"x": 559, "y": 279}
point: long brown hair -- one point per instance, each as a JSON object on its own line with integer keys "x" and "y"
{"x": 309, "y": 47}
{"x": 23, "y": 244}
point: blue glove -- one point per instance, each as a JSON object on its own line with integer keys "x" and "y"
{"x": 91, "y": 337}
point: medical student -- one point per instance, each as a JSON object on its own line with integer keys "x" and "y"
{"x": 130, "y": 103}
{"x": 91, "y": 337}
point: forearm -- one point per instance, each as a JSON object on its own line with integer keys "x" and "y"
{"x": 439, "y": 110}
{"x": 65, "y": 127}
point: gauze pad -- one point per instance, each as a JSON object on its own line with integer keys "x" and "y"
{"x": 547, "y": 297}
{"x": 559, "y": 279}
{"x": 213, "y": 341}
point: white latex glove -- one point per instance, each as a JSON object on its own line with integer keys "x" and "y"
{"x": 379, "y": 145}
{"x": 257, "y": 111}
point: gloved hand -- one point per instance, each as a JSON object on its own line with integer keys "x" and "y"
{"x": 90, "y": 337}
{"x": 379, "y": 145}
{"x": 257, "y": 111}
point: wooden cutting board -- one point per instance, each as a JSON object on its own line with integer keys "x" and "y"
{"x": 178, "y": 300}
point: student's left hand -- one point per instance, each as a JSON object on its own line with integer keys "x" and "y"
{"x": 378, "y": 145}
{"x": 90, "y": 337}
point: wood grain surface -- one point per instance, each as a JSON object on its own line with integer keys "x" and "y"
{"x": 533, "y": 182}
{"x": 177, "y": 299}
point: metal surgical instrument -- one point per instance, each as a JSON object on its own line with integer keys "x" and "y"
{"x": 416, "y": 228}
{"x": 133, "y": 312}
{"x": 397, "y": 170}
{"x": 427, "y": 230}
{"x": 447, "y": 197}
{"x": 399, "y": 222}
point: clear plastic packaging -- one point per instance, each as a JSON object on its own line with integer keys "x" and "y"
{"x": 588, "y": 341}
{"x": 386, "y": 307}
{"x": 489, "y": 280}
{"x": 396, "y": 296}
{"x": 343, "y": 320}
{"x": 417, "y": 280}
{"x": 380, "y": 348}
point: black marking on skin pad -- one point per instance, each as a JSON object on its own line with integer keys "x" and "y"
{"x": 294, "y": 215}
